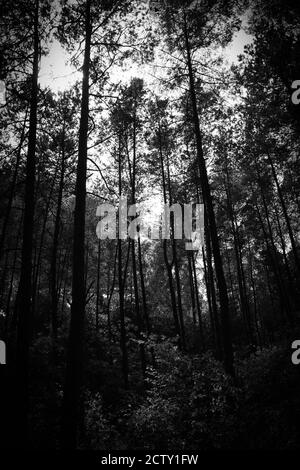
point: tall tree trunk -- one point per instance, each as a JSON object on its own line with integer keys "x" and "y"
{"x": 191, "y": 282}
{"x": 207, "y": 198}
{"x": 24, "y": 297}
{"x": 98, "y": 286}
{"x": 110, "y": 291}
{"x": 165, "y": 247}
{"x": 198, "y": 305}
{"x": 175, "y": 261}
{"x": 63, "y": 274}
{"x": 38, "y": 253}
{"x": 212, "y": 290}
{"x": 239, "y": 264}
{"x": 143, "y": 289}
{"x": 134, "y": 268}
{"x": 55, "y": 243}
{"x": 178, "y": 289}
{"x": 71, "y": 399}
{"x": 208, "y": 294}
{"x": 254, "y": 297}
{"x": 123, "y": 336}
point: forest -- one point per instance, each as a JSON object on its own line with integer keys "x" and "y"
{"x": 120, "y": 343}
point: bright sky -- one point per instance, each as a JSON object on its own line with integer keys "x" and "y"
{"x": 59, "y": 75}
{"x": 236, "y": 47}
{"x": 55, "y": 71}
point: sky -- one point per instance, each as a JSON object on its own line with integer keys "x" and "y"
{"x": 236, "y": 47}
{"x": 57, "y": 73}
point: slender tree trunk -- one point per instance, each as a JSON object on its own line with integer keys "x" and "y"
{"x": 222, "y": 288}
{"x": 254, "y": 297}
{"x": 71, "y": 399}
{"x": 198, "y": 305}
{"x": 178, "y": 289}
{"x": 208, "y": 294}
{"x": 271, "y": 293}
{"x": 98, "y": 286}
{"x": 123, "y": 336}
{"x": 110, "y": 296}
{"x": 63, "y": 274}
{"x": 165, "y": 248}
{"x": 175, "y": 262}
{"x": 24, "y": 297}
{"x": 38, "y": 254}
{"x": 143, "y": 289}
{"x": 239, "y": 265}
{"x": 134, "y": 268}
{"x": 211, "y": 284}
{"x": 191, "y": 282}
{"x": 230, "y": 279}
{"x": 55, "y": 243}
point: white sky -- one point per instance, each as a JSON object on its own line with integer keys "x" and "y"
{"x": 236, "y": 47}
{"x": 57, "y": 73}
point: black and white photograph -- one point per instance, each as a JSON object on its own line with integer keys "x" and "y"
{"x": 149, "y": 228}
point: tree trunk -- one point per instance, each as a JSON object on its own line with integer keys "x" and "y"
{"x": 98, "y": 286}
{"x": 123, "y": 338}
{"x": 143, "y": 289}
{"x": 198, "y": 305}
{"x": 71, "y": 399}
{"x": 191, "y": 282}
{"x": 222, "y": 288}
{"x": 239, "y": 264}
{"x": 55, "y": 243}
{"x": 134, "y": 269}
{"x": 165, "y": 248}
{"x": 38, "y": 253}
{"x": 24, "y": 297}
